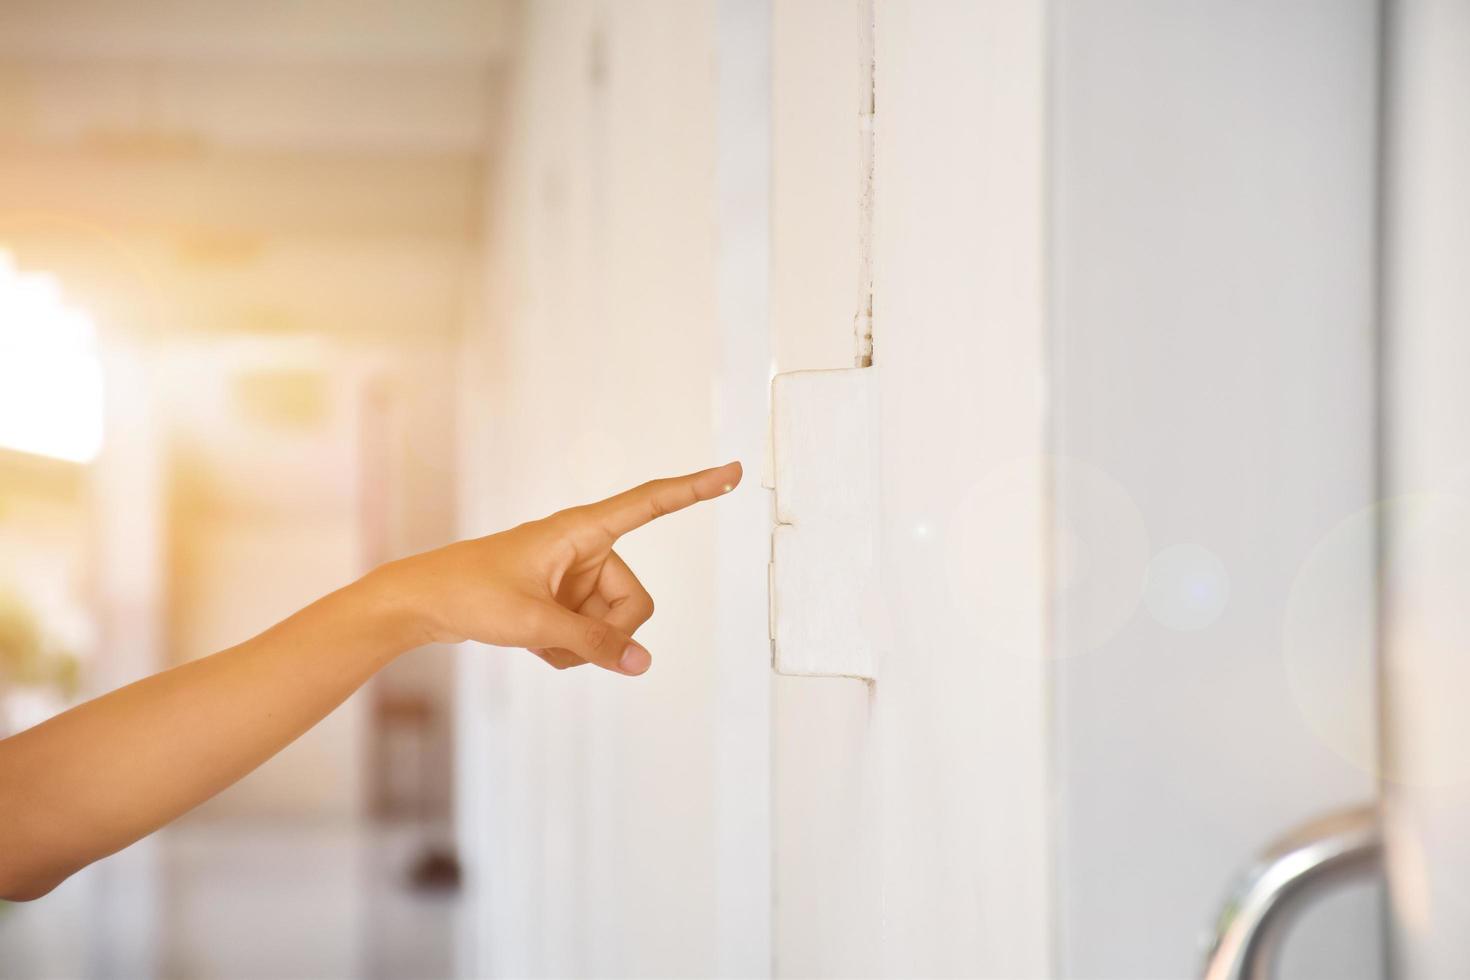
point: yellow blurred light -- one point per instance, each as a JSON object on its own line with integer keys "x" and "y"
{"x": 50, "y": 372}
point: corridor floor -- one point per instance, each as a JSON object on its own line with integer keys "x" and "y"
{"x": 257, "y": 902}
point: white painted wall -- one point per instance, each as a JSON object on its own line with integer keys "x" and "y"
{"x": 958, "y": 326}
{"x": 827, "y": 916}
{"x": 616, "y": 826}
{"x": 743, "y": 57}
{"x": 911, "y": 813}
{"x": 1212, "y": 301}
{"x": 1427, "y": 486}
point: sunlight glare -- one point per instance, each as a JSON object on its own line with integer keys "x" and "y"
{"x": 50, "y": 372}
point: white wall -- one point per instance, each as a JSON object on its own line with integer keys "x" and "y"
{"x": 911, "y": 819}
{"x": 959, "y": 339}
{"x": 827, "y": 917}
{"x": 616, "y": 826}
{"x": 1186, "y": 195}
{"x": 744, "y": 107}
{"x": 1212, "y": 300}
{"x": 1427, "y": 486}
{"x": 1135, "y": 234}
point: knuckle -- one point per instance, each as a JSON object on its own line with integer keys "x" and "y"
{"x": 557, "y": 525}
{"x": 577, "y": 523}
{"x": 597, "y": 636}
{"x": 658, "y": 497}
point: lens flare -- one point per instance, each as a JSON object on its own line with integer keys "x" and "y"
{"x": 1186, "y": 587}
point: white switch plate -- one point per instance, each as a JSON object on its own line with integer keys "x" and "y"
{"x": 825, "y": 600}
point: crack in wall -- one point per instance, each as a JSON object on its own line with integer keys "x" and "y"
{"x": 867, "y": 105}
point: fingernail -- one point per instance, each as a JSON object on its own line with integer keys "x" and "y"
{"x": 635, "y": 659}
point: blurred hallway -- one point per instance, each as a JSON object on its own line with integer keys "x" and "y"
{"x": 248, "y": 901}
{"x": 271, "y": 216}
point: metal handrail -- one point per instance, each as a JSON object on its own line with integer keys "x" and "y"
{"x": 1287, "y": 875}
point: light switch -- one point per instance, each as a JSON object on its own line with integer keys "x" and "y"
{"x": 825, "y": 601}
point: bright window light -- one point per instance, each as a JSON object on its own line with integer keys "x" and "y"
{"x": 50, "y": 373}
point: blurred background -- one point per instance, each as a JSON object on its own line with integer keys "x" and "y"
{"x": 1157, "y": 316}
{"x": 238, "y": 244}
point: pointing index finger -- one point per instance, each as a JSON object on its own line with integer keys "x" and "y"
{"x": 636, "y": 507}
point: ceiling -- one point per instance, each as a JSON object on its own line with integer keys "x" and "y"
{"x": 283, "y": 166}
{"x": 423, "y": 31}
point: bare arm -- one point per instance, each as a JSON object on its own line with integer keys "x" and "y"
{"x": 98, "y": 777}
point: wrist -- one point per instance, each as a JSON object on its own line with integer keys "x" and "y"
{"x": 401, "y": 616}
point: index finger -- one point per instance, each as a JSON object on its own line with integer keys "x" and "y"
{"x": 634, "y": 508}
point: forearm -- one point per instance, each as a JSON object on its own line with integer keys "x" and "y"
{"x": 98, "y": 777}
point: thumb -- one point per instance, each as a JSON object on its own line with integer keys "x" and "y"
{"x": 593, "y": 640}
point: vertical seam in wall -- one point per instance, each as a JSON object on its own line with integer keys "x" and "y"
{"x": 1382, "y": 182}
{"x": 867, "y": 104}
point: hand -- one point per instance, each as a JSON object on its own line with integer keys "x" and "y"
{"x": 554, "y": 586}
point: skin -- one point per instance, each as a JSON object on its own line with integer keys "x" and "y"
{"x": 94, "y": 779}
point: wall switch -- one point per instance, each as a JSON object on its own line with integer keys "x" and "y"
{"x": 825, "y": 601}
